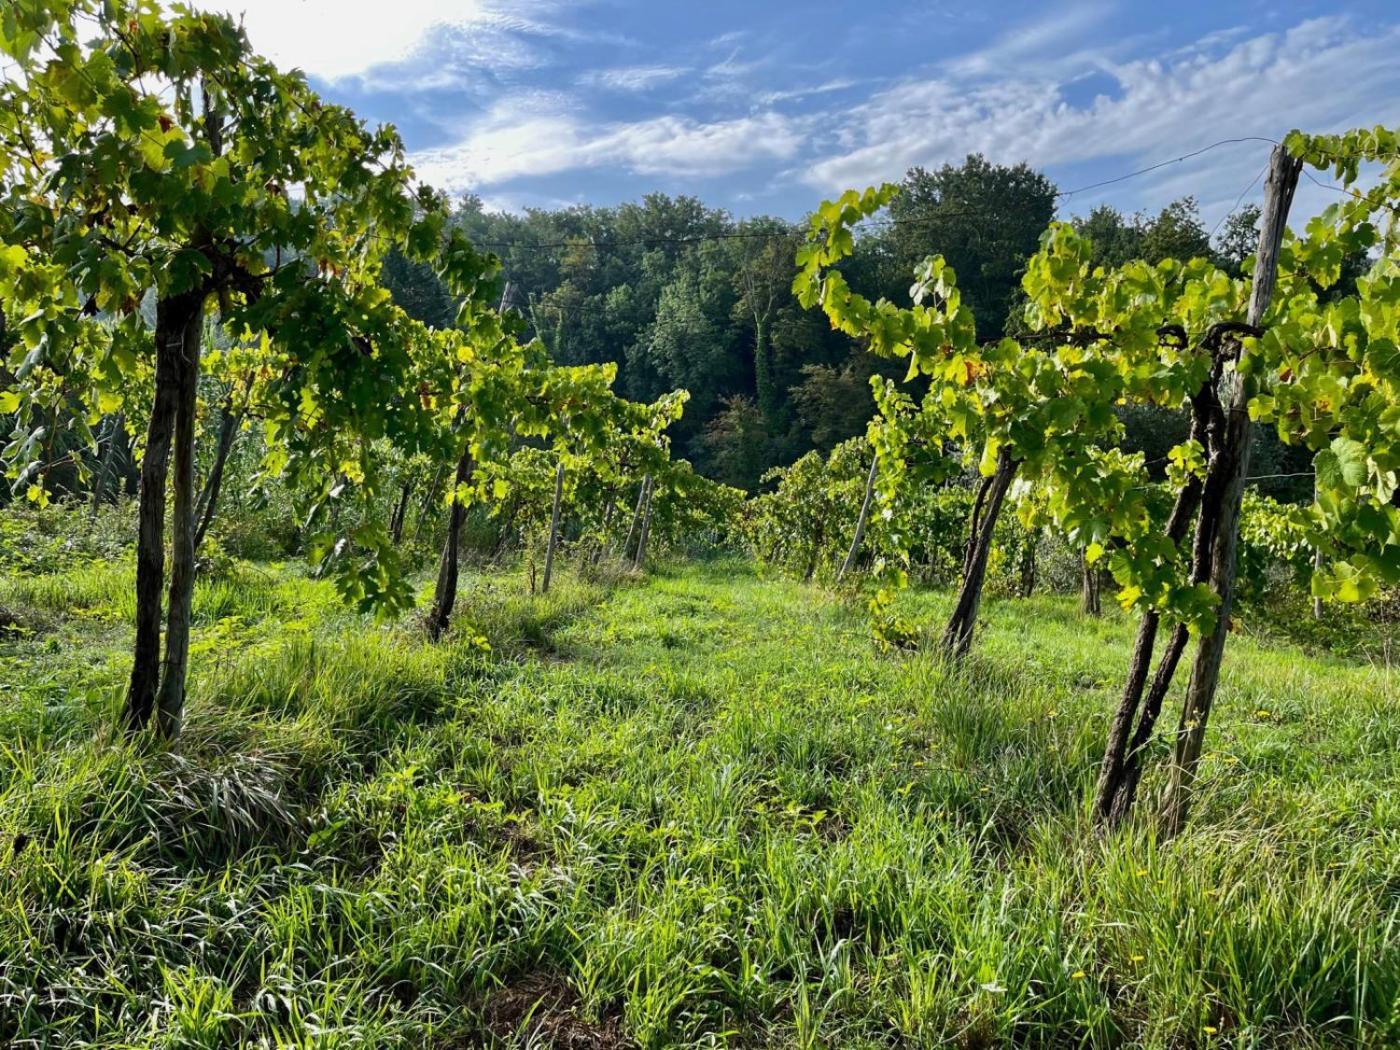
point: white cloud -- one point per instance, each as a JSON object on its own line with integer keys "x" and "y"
{"x": 523, "y": 137}
{"x": 678, "y": 145}
{"x": 336, "y": 38}
{"x": 341, "y": 38}
{"x": 1319, "y": 75}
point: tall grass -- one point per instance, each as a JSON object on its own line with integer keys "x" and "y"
{"x": 700, "y": 811}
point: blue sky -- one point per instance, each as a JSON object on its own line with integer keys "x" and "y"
{"x": 767, "y": 106}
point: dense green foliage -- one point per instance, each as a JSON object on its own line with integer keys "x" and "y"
{"x": 805, "y": 524}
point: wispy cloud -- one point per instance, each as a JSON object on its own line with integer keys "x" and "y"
{"x": 1054, "y": 36}
{"x": 1321, "y": 74}
{"x": 770, "y": 98}
{"x": 516, "y": 141}
{"x": 632, "y": 78}
{"x": 338, "y": 38}
{"x": 499, "y": 95}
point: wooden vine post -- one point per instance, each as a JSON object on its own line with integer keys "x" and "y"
{"x": 636, "y": 516}
{"x": 230, "y": 418}
{"x": 861, "y": 522}
{"x": 1090, "y": 588}
{"x": 1231, "y": 467}
{"x": 445, "y": 591}
{"x": 553, "y": 528}
{"x": 396, "y": 519}
{"x": 1221, "y": 426}
{"x": 641, "y": 561}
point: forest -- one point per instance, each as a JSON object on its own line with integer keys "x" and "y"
{"x": 950, "y": 619}
{"x": 679, "y": 295}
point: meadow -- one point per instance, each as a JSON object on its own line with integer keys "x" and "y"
{"x": 693, "y": 809}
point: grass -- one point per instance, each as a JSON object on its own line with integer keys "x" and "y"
{"x": 694, "y": 811}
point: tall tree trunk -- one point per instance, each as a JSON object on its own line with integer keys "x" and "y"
{"x": 170, "y": 699}
{"x": 957, "y": 637}
{"x": 1234, "y": 466}
{"x": 764, "y": 387}
{"x": 150, "y": 535}
{"x": 116, "y": 431}
{"x": 445, "y": 594}
{"x": 400, "y": 512}
{"x": 636, "y": 517}
{"x": 229, "y": 422}
{"x": 553, "y": 528}
{"x": 641, "y": 562}
{"x": 861, "y": 521}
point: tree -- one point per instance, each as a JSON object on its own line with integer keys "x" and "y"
{"x": 764, "y": 253}
{"x": 737, "y": 442}
{"x": 154, "y": 155}
{"x": 984, "y": 219}
{"x": 676, "y": 294}
{"x": 1238, "y": 238}
{"x": 1175, "y": 232}
{"x": 833, "y": 402}
{"x": 690, "y": 339}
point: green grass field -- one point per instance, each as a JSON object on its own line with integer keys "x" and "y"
{"x": 691, "y": 811}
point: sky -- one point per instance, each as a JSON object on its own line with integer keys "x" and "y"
{"x": 770, "y": 106}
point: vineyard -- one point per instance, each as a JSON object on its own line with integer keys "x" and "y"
{"x": 375, "y": 670}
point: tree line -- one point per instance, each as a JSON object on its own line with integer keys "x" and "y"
{"x": 678, "y": 294}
